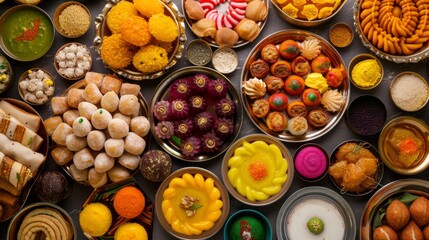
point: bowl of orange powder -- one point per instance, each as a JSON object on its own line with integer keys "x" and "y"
{"x": 127, "y": 203}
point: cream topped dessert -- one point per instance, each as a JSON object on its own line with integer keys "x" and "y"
{"x": 310, "y": 209}
{"x": 311, "y": 162}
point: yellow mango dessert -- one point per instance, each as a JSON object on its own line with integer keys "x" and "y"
{"x": 257, "y": 170}
{"x": 192, "y": 204}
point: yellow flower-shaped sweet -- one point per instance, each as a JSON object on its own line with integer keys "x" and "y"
{"x": 310, "y": 11}
{"x": 257, "y": 170}
{"x": 191, "y": 218}
{"x": 291, "y": 10}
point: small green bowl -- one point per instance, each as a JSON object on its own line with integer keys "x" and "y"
{"x": 251, "y": 213}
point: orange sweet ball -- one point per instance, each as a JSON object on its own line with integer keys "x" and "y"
{"x": 129, "y": 202}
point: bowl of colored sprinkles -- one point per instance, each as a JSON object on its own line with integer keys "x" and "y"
{"x": 355, "y": 167}
{"x": 193, "y": 204}
{"x": 199, "y": 52}
{"x": 341, "y": 35}
{"x": 27, "y": 32}
{"x": 404, "y": 144}
{"x": 365, "y": 71}
{"x": 409, "y": 91}
{"x": 247, "y": 222}
{"x": 72, "y": 19}
{"x": 311, "y": 162}
{"x": 257, "y": 170}
{"x": 366, "y": 115}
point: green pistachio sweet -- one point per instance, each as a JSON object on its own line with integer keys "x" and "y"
{"x": 315, "y": 225}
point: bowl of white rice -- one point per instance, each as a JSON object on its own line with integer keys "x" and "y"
{"x": 409, "y": 91}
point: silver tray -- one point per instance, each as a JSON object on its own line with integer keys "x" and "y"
{"x": 336, "y": 61}
{"x": 161, "y": 93}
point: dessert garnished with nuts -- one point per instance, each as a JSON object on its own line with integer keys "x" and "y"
{"x": 190, "y": 205}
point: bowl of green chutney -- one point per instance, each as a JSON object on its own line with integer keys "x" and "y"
{"x": 26, "y": 32}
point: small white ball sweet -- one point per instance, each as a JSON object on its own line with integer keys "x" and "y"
{"x": 140, "y": 125}
{"x": 114, "y": 147}
{"x": 118, "y": 128}
{"x": 134, "y": 144}
{"x": 96, "y": 140}
{"x": 81, "y": 126}
{"x": 101, "y": 118}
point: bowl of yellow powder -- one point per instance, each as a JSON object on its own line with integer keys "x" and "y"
{"x": 365, "y": 71}
{"x": 72, "y": 19}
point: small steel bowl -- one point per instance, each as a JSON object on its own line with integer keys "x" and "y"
{"x": 311, "y": 159}
{"x": 199, "y": 52}
{"x": 361, "y": 57}
{"x": 225, "y": 60}
{"x": 380, "y": 198}
{"x": 306, "y": 197}
{"x": 16, "y": 221}
{"x": 58, "y": 12}
{"x": 303, "y": 22}
{"x": 420, "y": 129}
{"x": 328, "y": 50}
{"x": 377, "y": 176}
{"x": 224, "y": 197}
{"x": 13, "y": 48}
{"x": 422, "y": 98}
{"x": 57, "y": 61}
{"x": 250, "y": 139}
{"x": 415, "y": 57}
{"x": 369, "y": 110}
{"x": 248, "y": 213}
{"x": 349, "y": 31}
{"x": 22, "y": 92}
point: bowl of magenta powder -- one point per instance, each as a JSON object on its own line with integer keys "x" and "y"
{"x": 366, "y": 115}
{"x": 311, "y": 162}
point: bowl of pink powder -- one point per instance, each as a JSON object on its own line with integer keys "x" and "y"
{"x": 311, "y": 162}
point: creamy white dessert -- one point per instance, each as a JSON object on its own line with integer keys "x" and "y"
{"x": 296, "y": 226}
